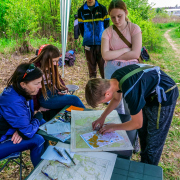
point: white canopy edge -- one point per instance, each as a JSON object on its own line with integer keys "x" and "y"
{"x": 65, "y": 7}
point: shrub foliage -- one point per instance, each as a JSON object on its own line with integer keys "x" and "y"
{"x": 24, "y": 19}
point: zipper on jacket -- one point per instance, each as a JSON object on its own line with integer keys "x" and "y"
{"x": 28, "y": 107}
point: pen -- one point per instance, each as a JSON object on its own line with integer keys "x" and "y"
{"x": 97, "y": 128}
{"x": 69, "y": 156}
{"x": 59, "y": 153}
{"x": 62, "y": 163}
{"x": 47, "y": 175}
{"x": 61, "y": 119}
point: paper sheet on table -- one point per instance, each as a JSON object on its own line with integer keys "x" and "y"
{"x": 58, "y": 128}
{"x": 95, "y": 139}
{"x": 43, "y": 127}
{"x": 51, "y": 154}
{"x": 81, "y": 123}
{"x": 62, "y": 136}
{"x": 89, "y": 166}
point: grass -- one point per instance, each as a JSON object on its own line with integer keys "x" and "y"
{"x": 36, "y": 43}
{"x": 9, "y": 46}
{"x": 167, "y": 25}
{"x": 169, "y": 62}
{"x": 163, "y": 56}
{"x": 175, "y": 34}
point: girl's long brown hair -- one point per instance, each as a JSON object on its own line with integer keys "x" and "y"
{"x": 45, "y": 58}
{"x": 117, "y": 4}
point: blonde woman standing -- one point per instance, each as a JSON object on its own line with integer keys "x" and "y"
{"x": 114, "y": 50}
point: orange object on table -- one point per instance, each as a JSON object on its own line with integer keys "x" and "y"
{"x": 74, "y": 108}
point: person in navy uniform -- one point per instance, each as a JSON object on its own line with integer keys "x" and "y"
{"x": 93, "y": 19}
{"x": 151, "y": 96}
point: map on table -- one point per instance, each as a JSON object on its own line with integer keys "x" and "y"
{"x": 81, "y": 123}
{"x": 51, "y": 154}
{"x": 89, "y": 166}
{"x": 61, "y": 136}
{"x": 58, "y": 128}
{"x": 43, "y": 127}
{"x": 95, "y": 139}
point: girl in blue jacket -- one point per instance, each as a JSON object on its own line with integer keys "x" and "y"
{"x": 18, "y": 121}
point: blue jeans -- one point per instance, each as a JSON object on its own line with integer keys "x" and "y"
{"x": 57, "y": 101}
{"x": 35, "y": 144}
{"x": 152, "y": 139}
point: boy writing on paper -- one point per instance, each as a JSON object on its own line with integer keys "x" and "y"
{"x": 151, "y": 97}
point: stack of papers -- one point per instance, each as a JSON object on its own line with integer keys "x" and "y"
{"x": 62, "y": 136}
{"x": 51, "y": 154}
{"x": 58, "y": 129}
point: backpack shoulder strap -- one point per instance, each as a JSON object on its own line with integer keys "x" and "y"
{"x": 122, "y": 37}
{"x": 132, "y": 73}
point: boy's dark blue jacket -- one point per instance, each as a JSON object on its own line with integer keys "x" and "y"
{"x": 17, "y": 114}
{"x": 92, "y": 24}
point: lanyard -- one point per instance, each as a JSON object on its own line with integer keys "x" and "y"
{"x": 159, "y": 90}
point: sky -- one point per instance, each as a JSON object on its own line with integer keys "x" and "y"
{"x": 164, "y": 3}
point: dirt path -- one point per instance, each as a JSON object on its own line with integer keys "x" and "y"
{"x": 172, "y": 43}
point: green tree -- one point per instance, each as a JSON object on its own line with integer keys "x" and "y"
{"x": 22, "y": 21}
{"x": 48, "y": 17}
{"x": 141, "y": 6}
{"x": 150, "y": 36}
{"x": 36, "y": 18}
{"x": 3, "y": 22}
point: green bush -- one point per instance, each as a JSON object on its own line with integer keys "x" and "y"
{"x": 48, "y": 17}
{"x": 10, "y": 45}
{"x": 142, "y": 6}
{"x": 166, "y": 25}
{"x": 150, "y": 35}
{"x": 3, "y": 22}
{"x": 7, "y": 45}
{"x": 28, "y": 19}
{"x": 177, "y": 32}
{"x": 22, "y": 21}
